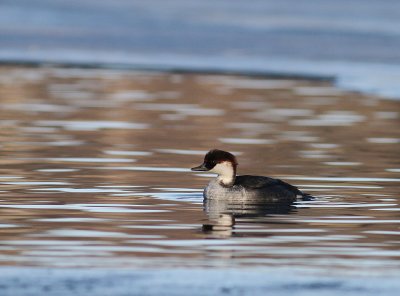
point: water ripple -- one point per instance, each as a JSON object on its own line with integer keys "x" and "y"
{"x": 91, "y": 125}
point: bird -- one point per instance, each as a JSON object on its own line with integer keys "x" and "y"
{"x": 228, "y": 186}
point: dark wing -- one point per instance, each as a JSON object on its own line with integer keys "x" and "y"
{"x": 258, "y": 182}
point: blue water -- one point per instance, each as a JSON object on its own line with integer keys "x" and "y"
{"x": 357, "y": 42}
{"x": 182, "y": 282}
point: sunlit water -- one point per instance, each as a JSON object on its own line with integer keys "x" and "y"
{"x": 94, "y": 172}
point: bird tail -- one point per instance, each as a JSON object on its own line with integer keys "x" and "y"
{"x": 307, "y": 197}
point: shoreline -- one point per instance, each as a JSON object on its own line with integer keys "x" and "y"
{"x": 167, "y": 69}
{"x": 354, "y": 78}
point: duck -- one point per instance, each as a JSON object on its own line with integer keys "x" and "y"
{"x": 229, "y": 186}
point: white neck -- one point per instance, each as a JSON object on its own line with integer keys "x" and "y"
{"x": 226, "y": 173}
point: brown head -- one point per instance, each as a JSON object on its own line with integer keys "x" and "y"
{"x": 215, "y": 157}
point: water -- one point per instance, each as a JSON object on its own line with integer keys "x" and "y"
{"x": 356, "y": 42}
{"x": 95, "y": 173}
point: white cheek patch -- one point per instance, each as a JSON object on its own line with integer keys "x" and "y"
{"x": 225, "y": 171}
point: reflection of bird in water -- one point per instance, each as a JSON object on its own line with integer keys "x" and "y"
{"x": 222, "y": 214}
{"x": 227, "y": 185}
{"x": 221, "y": 225}
{"x": 229, "y": 196}
{"x": 248, "y": 208}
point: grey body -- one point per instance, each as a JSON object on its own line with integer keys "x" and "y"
{"x": 252, "y": 187}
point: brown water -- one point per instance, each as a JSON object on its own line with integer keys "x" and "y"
{"x": 94, "y": 171}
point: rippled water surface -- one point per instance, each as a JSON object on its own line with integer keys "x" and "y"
{"x": 94, "y": 171}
